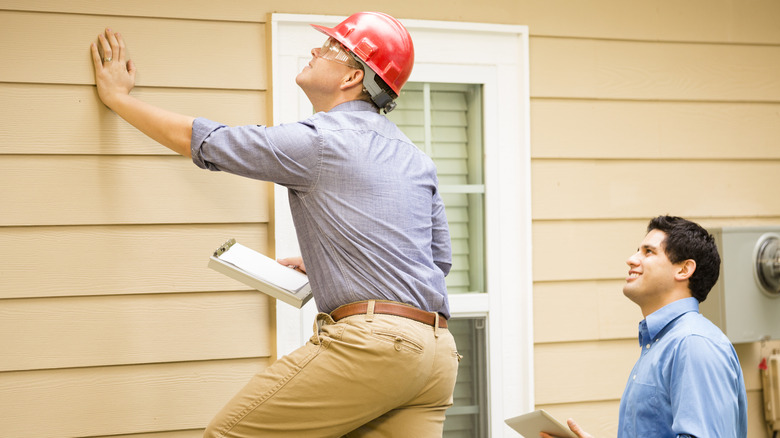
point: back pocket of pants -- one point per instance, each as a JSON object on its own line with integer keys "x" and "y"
{"x": 399, "y": 341}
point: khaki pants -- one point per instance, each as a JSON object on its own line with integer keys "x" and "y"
{"x": 363, "y": 376}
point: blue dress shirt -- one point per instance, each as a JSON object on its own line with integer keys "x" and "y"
{"x": 364, "y": 199}
{"x": 687, "y": 381}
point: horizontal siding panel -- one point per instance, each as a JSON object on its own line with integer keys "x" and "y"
{"x": 583, "y": 311}
{"x": 43, "y": 40}
{"x": 112, "y": 260}
{"x": 602, "y": 69}
{"x": 133, "y": 329}
{"x": 235, "y": 10}
{"x": 582, "y": 371}
{"x": 755, "y": 418}
{"x": 667, "y": 130}
{"x": 554, "y": 306}
{"x": 34, "y": 122}
{"x": 631, "y": 189}
{"x": 610, "y": 243}
{"x": 83, "y": 402}
{"x": 604, "y": 247}
{"x": 46, "y": 190}
{"x": 700, "y": 20}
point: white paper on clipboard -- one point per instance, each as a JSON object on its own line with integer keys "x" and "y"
{"x": 261, "y": 272}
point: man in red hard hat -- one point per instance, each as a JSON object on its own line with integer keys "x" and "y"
{"x": 373, "y": 234}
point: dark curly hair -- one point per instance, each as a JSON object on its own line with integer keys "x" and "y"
{"x": 688, "y": 240}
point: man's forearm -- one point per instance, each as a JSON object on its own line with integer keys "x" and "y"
{"x": 170, "y": 129}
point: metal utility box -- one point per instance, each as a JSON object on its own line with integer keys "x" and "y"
{"x": 745, "y": 302}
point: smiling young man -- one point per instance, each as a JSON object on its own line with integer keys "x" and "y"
{"x": 687, "y": 381}
{"x": 373, "y": 234}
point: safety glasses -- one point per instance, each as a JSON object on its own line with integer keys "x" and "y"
{"x": 332, "y": 50}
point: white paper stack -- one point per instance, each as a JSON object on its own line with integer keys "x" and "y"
{"x": 262, "y": 273}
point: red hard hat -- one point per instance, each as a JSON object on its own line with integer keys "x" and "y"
{"x": 381, "y": 41}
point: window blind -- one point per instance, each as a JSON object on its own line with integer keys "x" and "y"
{"x": 445, "y": 121}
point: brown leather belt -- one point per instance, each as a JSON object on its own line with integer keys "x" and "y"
{"x": 389, "y": 308}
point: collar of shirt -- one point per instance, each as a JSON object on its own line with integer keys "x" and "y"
{"x": 651, "y": 326}
{"x": 355, "y": 105}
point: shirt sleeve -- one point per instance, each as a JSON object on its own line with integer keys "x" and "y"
{"x": 442, "y": 250}
{"x": 704, "y": 389}
{"x": 287, "y": 154}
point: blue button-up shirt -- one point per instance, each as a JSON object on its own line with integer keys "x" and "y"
{"x": 687, "y": 381}
{"x": 364, "y": 199}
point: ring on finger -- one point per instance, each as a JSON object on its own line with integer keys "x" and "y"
{"x": 108, "y": 59}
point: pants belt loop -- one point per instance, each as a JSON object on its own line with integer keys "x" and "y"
{"x": 370, "y": 310}
{"x": 435, "y": 324}
{"x": 316, "y": 329}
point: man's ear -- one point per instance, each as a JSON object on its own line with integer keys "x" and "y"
{"x": 352, "y": 79}
{"x": 685, "y": 269}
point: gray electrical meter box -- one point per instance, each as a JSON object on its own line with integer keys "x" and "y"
{"x": 745, "y": 302}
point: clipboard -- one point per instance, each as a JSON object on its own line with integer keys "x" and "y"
{"x": 262, "y": 273}
{"x": 530, "y": 425}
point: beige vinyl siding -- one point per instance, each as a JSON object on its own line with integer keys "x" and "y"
{"x": 50, "y": 261}
{"x": 96, "y": 189}
{"x": 625, "y": 96}
{"x": 121, "y": 399}
{"x": 169, "y": 52}
{"x": 93, "y": 331}
{"x": 639, "y": 70}
{"x": 728, "y": 21}
{"x": 111, "y": 322}
{"x": 631, "y": 120}
{"x": 620, "y": 188}
{"x": 630, "y": 129}
{"x": 40, "y": 108}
